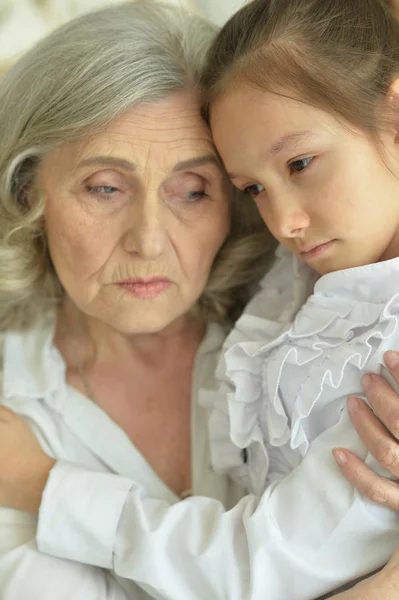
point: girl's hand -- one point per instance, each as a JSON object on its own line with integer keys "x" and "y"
{"x": 382, "y": 586}
{"x": 24, "y": 467}
{"x": 378, "y": 428}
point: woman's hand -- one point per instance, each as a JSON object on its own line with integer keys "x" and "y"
{"x": 24, "y": 467}
{"x": 378, "y": 428}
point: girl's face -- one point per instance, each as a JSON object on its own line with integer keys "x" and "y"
{"x": 322, "y": 187}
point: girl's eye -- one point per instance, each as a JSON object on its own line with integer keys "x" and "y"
{"x": 101, "y": 190}
{"x": 196, "y": 195}
{"x": 300, "y": 165}
{"x": 254, "y": 190}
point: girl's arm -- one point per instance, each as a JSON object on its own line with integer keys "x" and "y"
{"x": 307, "y": 535}
{"x": 382, "y": 586}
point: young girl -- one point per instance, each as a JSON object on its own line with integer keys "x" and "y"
{"x": 303, "y": 105}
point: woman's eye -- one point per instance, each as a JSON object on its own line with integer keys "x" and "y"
{"x": 102, "y": 190}
{"x": 300, "y": 165}
{"x": 254, "y": 190}
{"x": 196, "y": 195}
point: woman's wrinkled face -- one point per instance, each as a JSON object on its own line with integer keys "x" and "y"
{"x": 323, "y": 189}
{"x": 136, "y": 214}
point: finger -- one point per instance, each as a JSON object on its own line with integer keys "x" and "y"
{"x": 383, "y": 400}
{"x": 377, "y": 439}
{"x": 391, "y": 359}
{"x": 376, "y": 488}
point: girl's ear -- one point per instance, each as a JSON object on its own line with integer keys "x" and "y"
{"x": 393, "y": 104}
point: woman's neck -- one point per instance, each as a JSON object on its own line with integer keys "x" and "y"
{"x": 99, "y": 342}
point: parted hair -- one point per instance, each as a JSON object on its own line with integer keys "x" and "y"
{"x": 73, "y": 83}
{"x": 338, "y": 55}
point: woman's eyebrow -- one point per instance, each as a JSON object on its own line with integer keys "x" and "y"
{"x": 129, "y": 166}
{"x": 197, "y": 162}
{"x": 108, "y": 161}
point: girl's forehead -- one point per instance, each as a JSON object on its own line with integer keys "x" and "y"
{"x": 261, "y": 108}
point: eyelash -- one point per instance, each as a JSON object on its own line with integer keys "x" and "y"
{"x": 248, "y": 188}
{"x": 200, "y": 195}
{"x": 98, "y": 190}
{"x": 299, "y": 160}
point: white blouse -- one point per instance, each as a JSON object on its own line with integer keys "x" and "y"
{"x": 309, "y": 531}
{"x": 296, "y": 354}
{"x": 71, "y": 428}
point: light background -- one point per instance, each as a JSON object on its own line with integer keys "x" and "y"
{"x": 23, "y": 22}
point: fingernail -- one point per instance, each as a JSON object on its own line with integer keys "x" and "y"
{"x": 353, "y": 404}
{"x": 340, "y": 457}
{"x": 391, "y": 359}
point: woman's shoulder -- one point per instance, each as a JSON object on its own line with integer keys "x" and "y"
{"x": 29, "y": 363}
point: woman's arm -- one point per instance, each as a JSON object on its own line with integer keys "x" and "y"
{"x": 26, "y": 573}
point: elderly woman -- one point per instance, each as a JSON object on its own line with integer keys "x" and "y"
{"x": 125, "y": 259}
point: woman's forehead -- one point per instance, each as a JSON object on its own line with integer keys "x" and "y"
{"x": 170, "y": 131}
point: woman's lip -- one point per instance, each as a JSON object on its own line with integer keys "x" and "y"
{"x": 316, "y": 251}
{"x": 145, "y": 289}
{"x": 143, "y": 280}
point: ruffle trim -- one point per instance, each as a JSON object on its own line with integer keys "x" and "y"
{"x": 278, "y": 384}
{"x": 290, "y": 347}
{"x": 243, "y": 456}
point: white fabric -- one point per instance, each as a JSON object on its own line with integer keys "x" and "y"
{"x": 71, "y": 427}
{"x": 294, "y": 357}
{"x": 309, "y": 532}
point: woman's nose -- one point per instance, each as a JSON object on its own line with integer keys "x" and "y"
{"x": 147, "y": 233}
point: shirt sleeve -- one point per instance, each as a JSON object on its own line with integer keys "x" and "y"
{"x": 308, "y": 534}
{"x": 25, "y": 573}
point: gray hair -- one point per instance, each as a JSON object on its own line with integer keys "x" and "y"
{"x": 72, "y": 83}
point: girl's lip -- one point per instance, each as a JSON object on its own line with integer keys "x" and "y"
{"x": 314, "y": 251}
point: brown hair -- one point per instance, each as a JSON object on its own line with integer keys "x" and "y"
{"x": 338, "y": 55}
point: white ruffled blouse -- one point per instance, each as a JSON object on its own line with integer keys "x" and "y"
{"x": 296, "y": 354}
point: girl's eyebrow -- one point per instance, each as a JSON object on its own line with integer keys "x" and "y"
{"x": 286, "y": 141}
{"x": 291, "y": 139}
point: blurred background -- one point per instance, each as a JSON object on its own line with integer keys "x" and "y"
{"x": 23, "y": 22}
